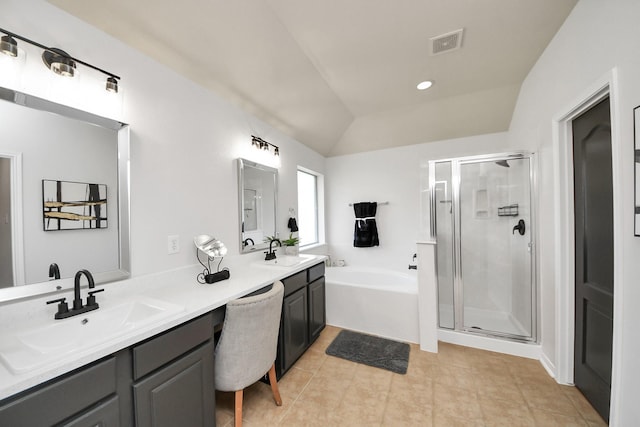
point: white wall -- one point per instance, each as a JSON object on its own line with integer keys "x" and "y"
{"x": 398, "y": 176}
{"x": 184, "y": 141}
{"x": 596, "y": 37}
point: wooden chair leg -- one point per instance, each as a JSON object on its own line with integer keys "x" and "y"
{"x": 274, "y": 385}
{"x": 238, "y": 409}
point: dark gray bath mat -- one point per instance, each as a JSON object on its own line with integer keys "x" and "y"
{"x": 370, "y": 350}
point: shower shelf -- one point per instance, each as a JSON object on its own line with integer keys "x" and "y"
{"x": 509, "y": 210}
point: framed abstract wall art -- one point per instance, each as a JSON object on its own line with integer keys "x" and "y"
{"x": 73, "y": 205}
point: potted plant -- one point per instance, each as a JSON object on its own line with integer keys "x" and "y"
{"x": 291, "y": 245}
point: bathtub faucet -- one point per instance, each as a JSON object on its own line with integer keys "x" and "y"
{"x": 413, "y": 267}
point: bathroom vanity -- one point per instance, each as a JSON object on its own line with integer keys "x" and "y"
{"x": 159, "y": 374}
{"x": 303, "y": 315}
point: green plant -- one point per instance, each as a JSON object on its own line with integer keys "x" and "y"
{"x": 291, "y": 241}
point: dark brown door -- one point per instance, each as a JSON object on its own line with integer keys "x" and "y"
{"x": 594, "y": 255}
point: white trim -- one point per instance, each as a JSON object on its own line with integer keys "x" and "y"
{"x": 528, "y": 350}
{"x": 320, "y": 207}
{"x": 548, "y": 365}
{"x": 564, "y": 231}
{"x": 17, "y": 230}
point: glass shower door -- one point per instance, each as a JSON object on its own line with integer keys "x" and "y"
{"x": 494, "y": 249}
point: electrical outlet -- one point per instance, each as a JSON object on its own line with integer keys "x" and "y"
{"x": 173, "y": 244}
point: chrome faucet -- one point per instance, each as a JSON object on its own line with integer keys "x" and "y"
{"x": 54, "y": 271}
{"x": 78, "y": 307}
{"x": 271, "y": 254}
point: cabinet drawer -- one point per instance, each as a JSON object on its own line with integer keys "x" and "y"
{"x": 295, "y": 282}
{"x": 106, "y": 414}
{"x": 62, "y": 398}
{"x": 315, "y": 272}
{"x": 162, "y": 349}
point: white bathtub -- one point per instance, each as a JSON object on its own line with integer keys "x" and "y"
{"x": 375, "y": 301}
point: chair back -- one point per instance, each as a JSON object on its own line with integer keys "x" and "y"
{"x": 249, "y": 341}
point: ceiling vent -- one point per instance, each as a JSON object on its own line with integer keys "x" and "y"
{"x": 446, "y": 42}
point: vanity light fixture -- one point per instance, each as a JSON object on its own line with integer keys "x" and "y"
{"x": 261, "y": 144}
{"x": 57, "y": 60}
{"x": 112, "y": 85}
{"x": 9, "y": 46}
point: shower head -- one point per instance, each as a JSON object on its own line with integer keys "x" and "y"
{"x": 502, "y": 163}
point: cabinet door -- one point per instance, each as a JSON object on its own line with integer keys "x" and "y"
{"x": 295, "y": 321}
{"x": 180, "y": 394}
{"x": 316, "y": 309}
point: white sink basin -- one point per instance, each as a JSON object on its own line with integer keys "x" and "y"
{"x": 29, "y": 349}
{"x": 285, "y": 261}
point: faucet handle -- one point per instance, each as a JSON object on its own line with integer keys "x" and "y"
{"x": 63, "y": 308}
{"x": 91, "y": 299}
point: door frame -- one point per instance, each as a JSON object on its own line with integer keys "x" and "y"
{"x": 17, "y": 235}
{"x": 564, "y": 240}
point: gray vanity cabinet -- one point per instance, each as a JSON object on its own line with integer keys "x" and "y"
{"x": 317, "y": 309}
{"x": 166, "y": 380}
{"x": 84, "y": 397}
{"x": 303, "y": 315}
{"x": 294, "y": 329}
{"x": 173, "y": 377}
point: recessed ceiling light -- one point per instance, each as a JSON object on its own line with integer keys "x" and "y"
{"x": 424, "y": 85}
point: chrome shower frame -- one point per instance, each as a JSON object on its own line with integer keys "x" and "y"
{"x": 458, "y": 283}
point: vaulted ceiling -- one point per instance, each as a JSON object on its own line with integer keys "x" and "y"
{"x": 340, "y": 76}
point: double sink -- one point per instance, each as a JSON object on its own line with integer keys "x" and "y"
{"x": 33, "y": 348}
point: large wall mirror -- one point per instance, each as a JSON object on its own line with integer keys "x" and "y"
{"x": 257, "y": 204}
{"x": 52, "y": 158}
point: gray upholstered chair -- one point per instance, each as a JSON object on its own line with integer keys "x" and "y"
{"x": 248, "y": 345}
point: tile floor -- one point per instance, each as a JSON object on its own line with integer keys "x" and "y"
{"x": 459, "y": 386}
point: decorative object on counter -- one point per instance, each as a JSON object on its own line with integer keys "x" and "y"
{"x": 212, "y": 248}
{"x": 371, "y": 350}
{"x": 57, "y": 60}
{"x": 365, "y": 230}
{"x": 261, "y": 144}
{"x": 291, "y": 245}
{"x": 73, "y": 205}
{"x": 292, "y": 224}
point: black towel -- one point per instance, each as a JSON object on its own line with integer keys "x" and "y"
{"x": 292, "y": 225}
{"x": 365, "y": 232}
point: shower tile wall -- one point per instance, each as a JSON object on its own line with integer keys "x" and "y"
{"x": 486, "y": 266}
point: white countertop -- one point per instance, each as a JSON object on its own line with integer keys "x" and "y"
{"x": 177, "y": 286}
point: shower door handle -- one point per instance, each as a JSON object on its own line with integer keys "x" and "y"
{"x": 520, "y": 228}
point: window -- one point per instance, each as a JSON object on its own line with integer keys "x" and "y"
{"x": 310, "y": 203}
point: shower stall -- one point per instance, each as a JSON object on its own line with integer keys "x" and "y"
{"x": 484, "y": 226}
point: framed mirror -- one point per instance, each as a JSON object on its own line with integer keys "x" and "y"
{"x": 64, "y": 196}
{"x": 257, "y": 204}
{"x": 636, "y": 168}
